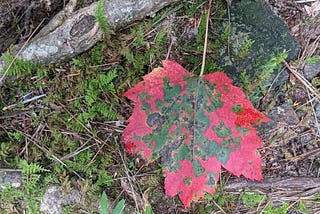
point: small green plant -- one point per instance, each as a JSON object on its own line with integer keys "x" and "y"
{"x": 104, "y": 203}
{"x": 313, "y": 59}
{"x": 8, "y": 197}
{"x": 21, "y": 68}
{"x": 223, "y": 38}
{"x": 192, "y": 8}
{"x": 31, "y": 174}
{"x": 15, "y": 136}
{"x": 95, "y": 89}
{"x": 140, "y": 54}
{"x": 5, "y": 150}
{"x": 258, "y": 84}
{"x": 310, "y": 21}
{"x": 138, "y": 33}
{"x": 224, "y": 200}
{"x": 302, "y": 207}
{"x": 270, "y": 209}
{"x": 252, "y": 200}
{"x": 103, "y": 24}
{"x": 245, "y": 48}
{"x": 89, "y": 61}
{"x": 30, "y": 193}
{"x": 94, "y": 170}
{"x": 100, "y": 16}
{"x": 201, "y": 32}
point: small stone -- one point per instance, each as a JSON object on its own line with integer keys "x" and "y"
{"x": 14, "y": 178}
{"x": 301, "y": 114}
{"x": 303, "y": 171}
{"x": 310, "y": 147}
{"x": 72, "y": 197}
{"x": 191, "y": 35}
{"x": 306, "y": 138}
{"x": 54, "y": 198}
{"x": 300, "y": 96}
{"x": 311, "y": 70}
{"x": 287, "y": 155}
{"x": 284, "y": 113}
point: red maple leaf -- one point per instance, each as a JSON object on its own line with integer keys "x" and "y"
{"x": 194, "y": 125}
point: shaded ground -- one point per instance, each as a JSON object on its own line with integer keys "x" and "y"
{"x": 297, "y": 131}
{"x": 58, "y": 114}
{"x": 18, "y": 19}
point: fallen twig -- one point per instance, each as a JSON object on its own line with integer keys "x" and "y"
{"x": 303, "y": 80}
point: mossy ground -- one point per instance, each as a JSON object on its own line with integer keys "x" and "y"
{"x": 71, "y": 133}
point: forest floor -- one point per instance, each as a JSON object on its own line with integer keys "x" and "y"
{"x": 61, "y": 124}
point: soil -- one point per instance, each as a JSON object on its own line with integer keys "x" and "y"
{"x": 291, "y": 142}
{"x": 297, "y": 153}
{"x": 19, "y": 19}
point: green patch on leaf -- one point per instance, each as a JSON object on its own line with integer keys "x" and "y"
{"x": 222, "y": 130}
{"x": 187, "y": 181}
{"x": 243, "y": 131}
{"x": 198, "y": 169}
{"x": 237, "y": 108}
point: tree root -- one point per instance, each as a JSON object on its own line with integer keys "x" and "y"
{"x": 71, "y": 33}
{"x": 279, "y": 190}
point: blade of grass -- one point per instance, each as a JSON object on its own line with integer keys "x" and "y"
{"x": 104, "y": 204}
{"x": 119, "y": 208}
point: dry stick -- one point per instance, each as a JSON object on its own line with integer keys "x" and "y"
{"x": 205, "y": 41}
{"x": 309, "y": 50}
{"x": 305, "y": 1}
{"x": 128, "y": 178}
{"x": 302, "y": 79}
{"x": 23, "y": 102}
{"x": 10, "y": 170}
{"x": 70, "y": 155}
{"x": 23, "y": 46}
{"x": 96, "y": 139}
{"x": 314, "y": 113}
{"x": 99, "y": 151}
{"x": 260, "y": 203}
{"x": 304, "y": 155}
{"x": 217, "y": 205}
{"x": 46, "y": 151}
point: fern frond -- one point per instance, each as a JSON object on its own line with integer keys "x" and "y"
{"x": 105, "y": 81}
{"x": 32, "y": 168}
{"x": 105, "y": 110}
{"x": 100, "y": 16}
{"x": 21, "y": 68}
